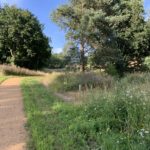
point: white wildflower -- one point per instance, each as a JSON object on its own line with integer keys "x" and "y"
{"x": 146, "y": 132}
{"x": 141, "y": 134}
{"x": 117, "y": 142}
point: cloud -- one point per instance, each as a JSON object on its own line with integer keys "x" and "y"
{"x": 57, "y": 50}
{"x": 10, "y": 2}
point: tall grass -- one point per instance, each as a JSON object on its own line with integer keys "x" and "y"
{"x": 14, "y": 70}
{"x": 71, "y": 81}
{"x": 113, "y": 119}
{"x": 122, "y": 115}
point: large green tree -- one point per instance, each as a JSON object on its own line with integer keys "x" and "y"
{"x": 130, "y": 29}
{"x": 88, "y": 24}
{"x": 106, "y": 27}
{"x": 22, "y": 41}
{"x": 121, "y": 29}
{"x": 69, "y": 17}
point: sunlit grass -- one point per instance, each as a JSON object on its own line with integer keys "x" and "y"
{"x": 51, "y": 77}
{"x": 18, "y": 71}
{"x": 116, "y": 118}
{"x": 2, "y": 78}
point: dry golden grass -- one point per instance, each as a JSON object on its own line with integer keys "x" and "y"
{"x": 50, "y": 78}
{"x": 14, "y": 70}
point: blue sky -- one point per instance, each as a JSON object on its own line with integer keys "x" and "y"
{"x": 42, "y": 9}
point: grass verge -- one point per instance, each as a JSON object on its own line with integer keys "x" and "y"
{"x": 117, "y": 119}
{"x": 2, "y": 78}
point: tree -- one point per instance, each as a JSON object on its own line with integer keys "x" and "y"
{"x": 57, "y": 61}
{"x": 120, "y": 28}
{"x": 87, "y": 25}
{"x": 71, "y": 53}
{"x": 69, "y": 17}
{"x": 129, "y": 27}
{"x": 22, "y": 41}
{"x": 105, "y": 26}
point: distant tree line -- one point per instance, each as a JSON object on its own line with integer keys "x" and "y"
{"x": 22, "y": 41}
{"x": 106, "y": 32}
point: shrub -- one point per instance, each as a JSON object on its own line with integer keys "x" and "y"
{"x": 111, "y": 70}
{"x": 71, "y": 81}
{"x": 147, "y": 62}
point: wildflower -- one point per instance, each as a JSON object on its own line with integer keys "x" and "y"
{"x": 146, "y": 132}
{"x": 117, "y": 142}
{"x": 141, "y": 134}
{"x": 144, "y": 103}
{"x": 131, "y": 96}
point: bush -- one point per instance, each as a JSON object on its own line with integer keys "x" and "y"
{"x": 147, "y": 62}
{"x": 71, "y": 81}
{"x": 111, "y": 70}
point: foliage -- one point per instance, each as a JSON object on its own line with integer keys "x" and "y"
{"x": 71, "y": 53}
{"x": 57, "y": 61}
{"x": 69, "y": 17}
{"x": 147, "y": 62}
{"x": 129, "y": 26}
{"x": 67, "y": 58}
{"x": 22, "y": 41}
{"x": 111, "y": 70}
{"x": 72, "y": 81}
{"x": 116, "y": 119}
{"x": 116, "y": 29}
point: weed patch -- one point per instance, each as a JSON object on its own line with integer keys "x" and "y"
{"x": 117, "y": 119}
{"x": 71, "y": 81}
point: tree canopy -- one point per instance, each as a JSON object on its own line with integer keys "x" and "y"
{"x": 113, "y": 31}
{"x": 22, "y": 41}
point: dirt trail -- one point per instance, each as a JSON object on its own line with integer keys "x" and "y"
{"x": 12, "y": 119}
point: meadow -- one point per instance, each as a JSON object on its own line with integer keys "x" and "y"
{"x": 105, "y": 113}
{"x": 90, "y": 91}
{"x": 115, "y": 116}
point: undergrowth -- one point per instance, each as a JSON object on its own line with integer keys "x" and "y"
{"x": 116, "y": 119}
{"x": 90, "y": 80}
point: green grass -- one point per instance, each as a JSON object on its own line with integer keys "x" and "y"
{"x": 110, "y": 119}
{"x": 2, "y": 78}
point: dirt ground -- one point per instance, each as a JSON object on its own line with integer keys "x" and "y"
{"x": 12, "y": 119}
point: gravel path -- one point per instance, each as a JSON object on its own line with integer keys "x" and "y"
{"x": 12, "y": 119}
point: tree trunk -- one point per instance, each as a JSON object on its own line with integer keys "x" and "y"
{"x": 12, "y": 58}
{"x": 82, "y": 58}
